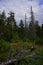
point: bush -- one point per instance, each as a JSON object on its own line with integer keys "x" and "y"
{"x": 4, "y": 46}
{"x": 15, "y": 38}
{"x": 39, "y": 41}
{"x": 4, "y": 49}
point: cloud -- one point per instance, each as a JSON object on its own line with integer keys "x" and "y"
{"x": 20, "y": 7}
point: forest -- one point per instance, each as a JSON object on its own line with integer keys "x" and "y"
{"x": 20, "y": 37}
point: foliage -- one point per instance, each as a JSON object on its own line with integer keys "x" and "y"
{"x": 4, "y": 49}
{"x": 10, "y": 31}
{"x": 39, "y": 41}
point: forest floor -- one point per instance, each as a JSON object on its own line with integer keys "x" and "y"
{"x": 23, "y": 49}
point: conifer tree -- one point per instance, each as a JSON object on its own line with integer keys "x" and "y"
{"x": 32, "y": 33}
{"x": 2, "y": 23}
{"x": 21, "y": 29}
{"x": 10, "y": 26}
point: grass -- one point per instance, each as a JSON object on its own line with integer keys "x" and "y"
{"x": 17, "y": 47}
{"x": 29, "y": 61}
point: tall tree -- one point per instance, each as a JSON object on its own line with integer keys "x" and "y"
{"x": 32, "y": 33}
{"x": 26, "y": 30}
{"x": 10, "y": 26}
{"x": 37, "y": 29}
{"x": 21, "y": 29}
{"x": 2, "y": 23}
{"x": 42, "y": 31}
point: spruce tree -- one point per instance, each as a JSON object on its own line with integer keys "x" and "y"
{"x": 2, "y": 23}
{"x": 9, "y": 26}
{"x": 21, "y": 29}
{"x": 32, "y": 33}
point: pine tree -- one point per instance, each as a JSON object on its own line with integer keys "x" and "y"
{"x": 9, "y": 26}
{"x": 32, "y": 33}
{"x": 37, "y": 28}
{"x": 42, "y": 31}
{"x": 2, "y": 23}
{"x": 21, "y": 29}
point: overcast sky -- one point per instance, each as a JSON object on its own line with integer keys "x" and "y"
{"x": 20, "y": 7}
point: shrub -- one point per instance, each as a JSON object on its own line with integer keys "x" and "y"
{"x": 39, "y": 41}
{"x": 4, "y": 46}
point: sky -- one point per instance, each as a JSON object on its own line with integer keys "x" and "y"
{"x": 20, "y": 7}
